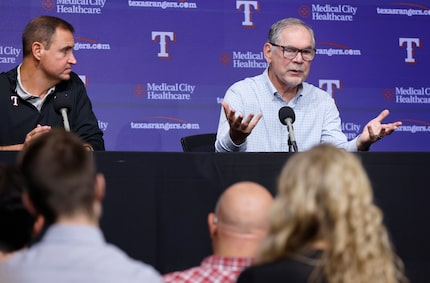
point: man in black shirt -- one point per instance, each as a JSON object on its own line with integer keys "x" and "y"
{"x": 28, "y": 91}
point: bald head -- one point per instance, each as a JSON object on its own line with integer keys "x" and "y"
{"x": 240, "y": 219}
{"x": 244, "y": 207}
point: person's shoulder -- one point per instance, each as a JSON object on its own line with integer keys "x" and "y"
{"x": 180, "y": 276}
{"x": 252, "y": 79}
{"x": 3, "y": 75}
{"x": 74, "y": 84}
{"x": 186, "y": 275}
{"x": 310, "y": 91}
{"x": 146, "y": 273}
{"x": 308, "y": 87}
{"x": 9, "y": 76}
{"x": 75, "y": 77}
{"x": 131, "y": 267}
{"x": 15, "y": 263}
{"x": 273, "y": 267}
{"x": 10, "y": 72}
{"x": 248, "y": 83}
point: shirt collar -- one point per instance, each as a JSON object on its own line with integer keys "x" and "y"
{"x": 24, "y": 94}
{"x": 268, "y": 82}
{"x": 234, "y": 263}
{"x": 274, "y": 91}
{"x": 73, "y": 233}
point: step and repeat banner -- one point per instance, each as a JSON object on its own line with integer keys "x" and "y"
{"x": 157, "y": 70}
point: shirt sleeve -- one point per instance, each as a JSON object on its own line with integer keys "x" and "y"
{"x": 223, "y": 142}
{"x": 84, "y": 122}
{"x": 332, "y": 131}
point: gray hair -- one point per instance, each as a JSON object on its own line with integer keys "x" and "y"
{"x": 279, "y": 26}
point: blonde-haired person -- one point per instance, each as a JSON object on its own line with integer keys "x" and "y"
{"x": 324, "y": 225}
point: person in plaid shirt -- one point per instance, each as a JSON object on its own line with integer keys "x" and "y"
{"x": 237, "y": 227}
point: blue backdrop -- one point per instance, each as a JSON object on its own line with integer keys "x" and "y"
{"x": 158, "y": 70}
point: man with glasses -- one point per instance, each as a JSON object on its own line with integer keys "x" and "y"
{"x": 249, "y": 115}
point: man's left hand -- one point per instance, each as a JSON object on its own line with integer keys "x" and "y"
{"x": 375, "y": 130}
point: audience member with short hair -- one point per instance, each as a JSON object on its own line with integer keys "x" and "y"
{"x": 325, "y": 226}
{"x": 237, "y": 228}
{"x": 18, "y": 225}
{"x": 65, "y": 188}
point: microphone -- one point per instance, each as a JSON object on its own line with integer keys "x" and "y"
{"x": 287, "y": 117}
{"x": 62, "y": 105}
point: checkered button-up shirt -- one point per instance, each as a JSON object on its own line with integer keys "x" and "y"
{"x": 213, "y": 269}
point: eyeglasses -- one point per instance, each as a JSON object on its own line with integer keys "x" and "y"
{"x": 308, "y": 54}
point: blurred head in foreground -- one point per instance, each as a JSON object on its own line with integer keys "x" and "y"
{"x": 18, "y": 225}
{"x": 62, "y": 181}
{"x": 325, "y": 201}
